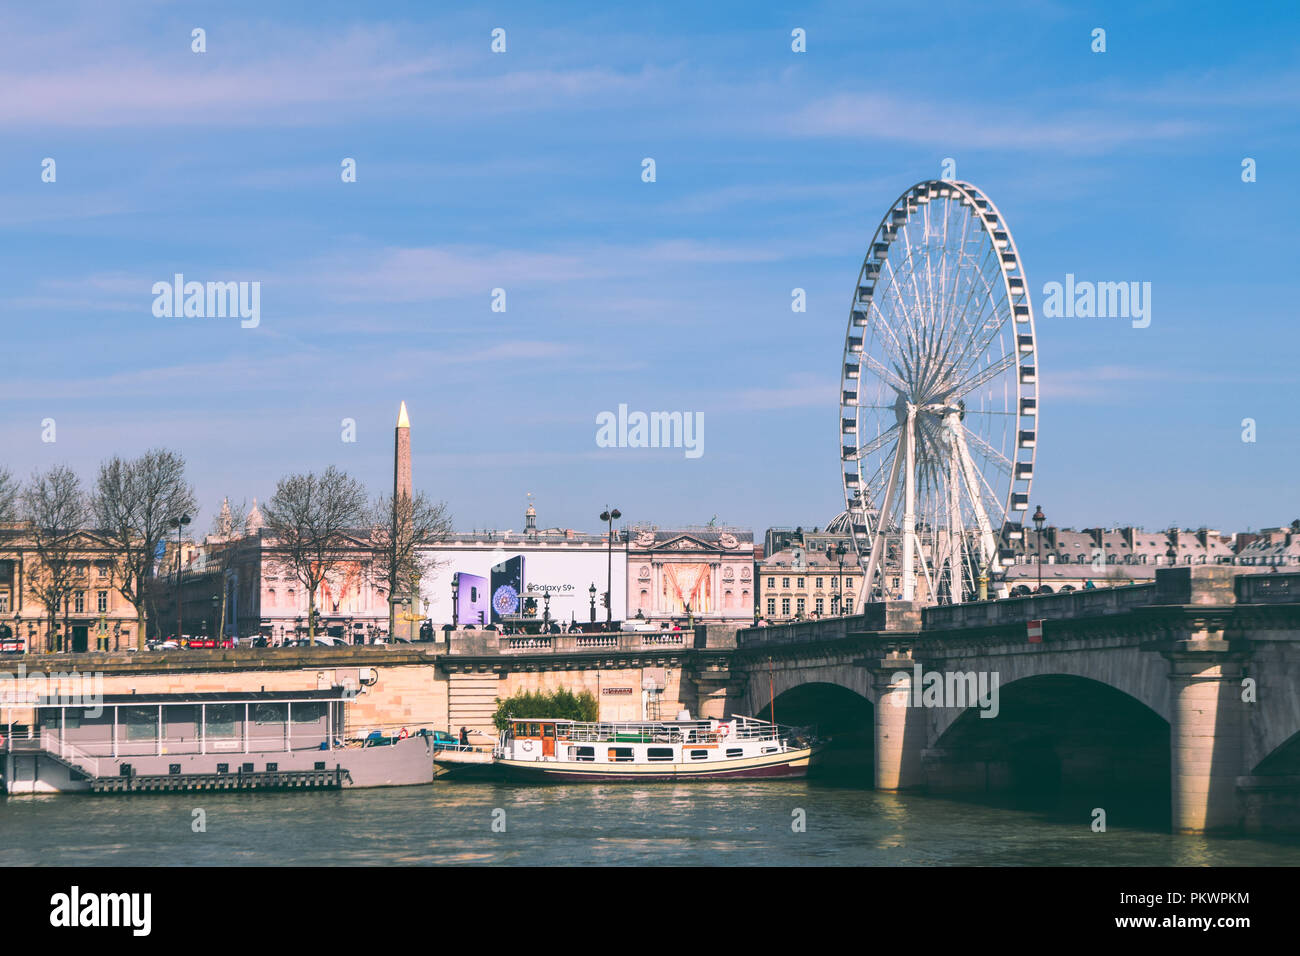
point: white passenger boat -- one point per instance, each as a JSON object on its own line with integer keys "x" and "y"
{"x": 650, "y": 751}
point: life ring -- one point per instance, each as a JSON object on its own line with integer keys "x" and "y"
{"x": 723, "y": 730}
{"x": 526, "y": 746}
{"x": 402, "y": 734}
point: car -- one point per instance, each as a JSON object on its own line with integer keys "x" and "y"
{"x": 441, "y": 739}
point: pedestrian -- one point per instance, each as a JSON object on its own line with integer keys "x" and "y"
{"x": 464, "y": 737}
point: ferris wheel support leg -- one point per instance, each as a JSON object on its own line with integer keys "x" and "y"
{"x": 878, "y": 539}
{"x": 988, "y": 544}
{"x": 956, "y": 532}
{"x": 910, "y": 544}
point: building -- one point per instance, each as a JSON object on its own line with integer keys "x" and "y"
{"x": 680, "y": 575}
{"x": 94, "y": 614}
{"x": 800, "y": 580}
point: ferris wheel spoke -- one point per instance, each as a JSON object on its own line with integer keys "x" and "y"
{"x": 969, "y": 385}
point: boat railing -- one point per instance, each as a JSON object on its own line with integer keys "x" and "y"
{"x": 699, "y": 731}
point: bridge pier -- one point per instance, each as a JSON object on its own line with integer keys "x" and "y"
{"x": 899, "y": 729}
{"x": 1206, "y": 740}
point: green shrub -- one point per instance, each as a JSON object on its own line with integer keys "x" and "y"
{"x": 561, "y": 705}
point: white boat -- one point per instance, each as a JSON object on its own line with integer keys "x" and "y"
{"x": 650, "y": 751}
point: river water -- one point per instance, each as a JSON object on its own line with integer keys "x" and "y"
{"x": 450, "y": 822}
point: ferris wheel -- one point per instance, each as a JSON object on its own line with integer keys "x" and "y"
{"x": 939, "y": 396}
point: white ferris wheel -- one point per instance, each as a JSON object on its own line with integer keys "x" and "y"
{"x": 939, "y": 396}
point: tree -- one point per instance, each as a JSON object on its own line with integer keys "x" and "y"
{"x": 133, "y": 504}
{"x": 561, "y": 705}
{"x": 313, "y": 522}
{"x": 9, "y": 491}
{"x": 54, "y": 507}
{"x": 400, "y": 530}
{"x": 224, "y": 551}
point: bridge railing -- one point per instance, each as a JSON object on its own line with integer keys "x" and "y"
{"x": 1268, "y": 588}
{"x": 1089, "y": 603}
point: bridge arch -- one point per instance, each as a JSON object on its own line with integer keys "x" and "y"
{"x": 1059, "y": 742}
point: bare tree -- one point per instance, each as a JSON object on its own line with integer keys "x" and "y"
{"x": 400, "y": 530}
{"x": 225, "y": 550}
{"x": 54, "y": 507}
{"x": 9, "y": 491}
{"x": 133, "y": 504}
{"x": 314, "y": 523}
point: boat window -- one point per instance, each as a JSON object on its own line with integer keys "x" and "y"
{"x": 769, "y": 750}
{"x": 587, "y": 754}
{"x": 699, "y": 755}
{"x": 548, "y": 730}
{"x": 620, "y": 754}
{"x": 659, "y": 753}
{"x": 735, "y": 752}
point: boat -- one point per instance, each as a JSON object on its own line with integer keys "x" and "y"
{"x": 574, "y": 751}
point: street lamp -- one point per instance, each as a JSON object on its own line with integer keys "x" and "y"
{"x": 1172, "y": 555}
{"x": 609, "y": 516}
{"x": 592, "y": 592}
{"x": 1038, "y": 519}
{"x": 179, "y": 523}
{"x": 216, "y": 619}
{"x": 837, "y": 599}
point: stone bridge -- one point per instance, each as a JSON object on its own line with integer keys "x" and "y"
{"x": 1189, "y": 686}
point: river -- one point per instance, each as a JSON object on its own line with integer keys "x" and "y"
{"x": 450, "y": 822}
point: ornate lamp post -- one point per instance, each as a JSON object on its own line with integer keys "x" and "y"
{"x": 609, "y": 516}
{"x": 1038, "y": 519}
{"x": 179, "y": 523}
{"x": 592, "y": 591}
{"x": 837, "y": 599}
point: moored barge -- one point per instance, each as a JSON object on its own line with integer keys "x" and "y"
{"x": 650, "y": 751}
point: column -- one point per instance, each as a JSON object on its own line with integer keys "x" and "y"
{"x": 900, "y": 727}
{"x": 1206, "y": 721}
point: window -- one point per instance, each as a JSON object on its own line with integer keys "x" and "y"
{"x": 264, "y": 714}
{"x": 141, "y": 722}
{"x": 735, "y": 752}
{"x": 785, "y": 582}
{"x": 771, "y": 582}
{"x": 4, "y": 602}
{"x": 821, "y": 606}
{"x": 848, "y": 606}
{"x": 585, "y": 754}
{"x": 620, "y": 754}
{"x": 101, "y": 569}
{"x": 799, "y": 606}
{"x": 833, "y": 580}
{"x": 699, "y": 755}
{"x": 101, "y": 601}
{"x": 79, "y": 602}
{"x": 848, "y": 580}
{"x": 785, "y": 607}
{"x": 659, "y": 754}
{"x": 771, "y": 606}
{"x": 819, "y": 582}
{"x": 223, "y": 719}
{"x": 799, "y": 582}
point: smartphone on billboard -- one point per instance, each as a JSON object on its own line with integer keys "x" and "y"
{"x": 472, "y": 599}
{"x": 507, "y": 588}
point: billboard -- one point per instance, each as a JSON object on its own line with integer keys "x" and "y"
{"x": 481, "y": 585}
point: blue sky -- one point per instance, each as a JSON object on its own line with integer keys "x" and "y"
{"x": 522, "y": 171}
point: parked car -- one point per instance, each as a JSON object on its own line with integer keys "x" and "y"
{"x": 441, "y": 739}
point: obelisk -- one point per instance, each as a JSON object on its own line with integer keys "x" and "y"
{"x": 402, "y": 456}
{"x": 402, "y": 495}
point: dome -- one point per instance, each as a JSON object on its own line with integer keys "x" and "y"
{"x": 840, "y": 524}
{"x": 255, "y": 522}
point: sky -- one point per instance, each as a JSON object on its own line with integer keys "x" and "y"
{"x": 522, "y": 170}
